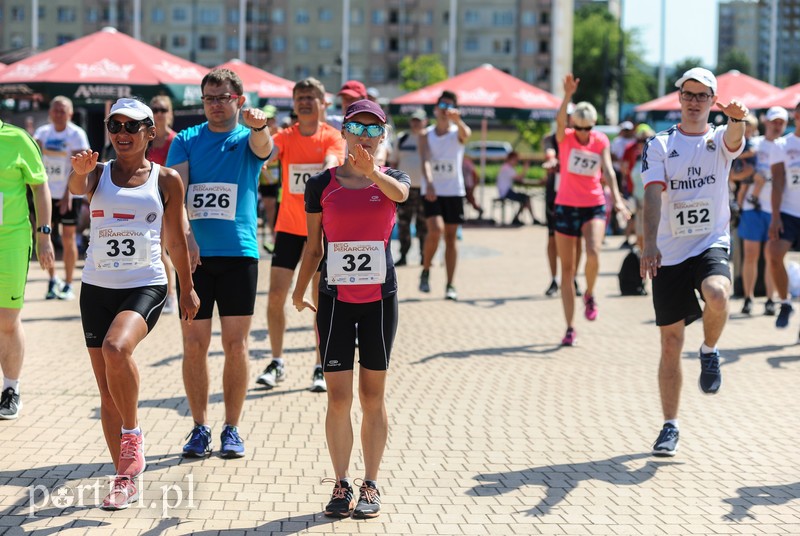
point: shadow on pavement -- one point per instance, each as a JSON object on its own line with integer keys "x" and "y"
{"x": 70, "y": 318}
{"x": 286, "y": 525}
{"x": 760, "y": 496}
{"x": 507, "y": 351}
{"x": 561, "y": 480}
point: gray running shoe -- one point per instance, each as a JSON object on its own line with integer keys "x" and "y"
{"x": 667, "y": 442}
{"x": 10, "y": 404}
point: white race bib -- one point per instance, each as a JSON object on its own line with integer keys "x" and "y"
{"x": 691, "y": 218}
{"x": 356, "y": 263}
{"x": 583, "y": 163}
{"x": 792, "y": 178}
{"x": 444, "y": 169}
{"x": 212, "y": 200}
{"x": 121, "y": 247}
{"x": 299, "y": 175}
{"x": 57, "y": 174}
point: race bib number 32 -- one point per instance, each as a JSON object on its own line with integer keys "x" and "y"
{"x": 356, "y": 263}
{"x": 691, "y": 218}
{"x": 212, "y": 200}
{"x": 299, "y": 175}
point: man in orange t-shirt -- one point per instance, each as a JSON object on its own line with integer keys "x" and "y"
{"x": 304, "y": 149}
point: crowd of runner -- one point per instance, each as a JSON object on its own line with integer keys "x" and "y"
{"x": 173, "y": 221}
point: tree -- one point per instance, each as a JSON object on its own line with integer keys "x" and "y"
{"x": 596, "y": 41}
{"x": 421, "y": 71}
{"x": 683, "y": 66}
{"x": 735, "y": 59}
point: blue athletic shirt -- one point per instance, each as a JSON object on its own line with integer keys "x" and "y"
{"x": 220, "y": 157}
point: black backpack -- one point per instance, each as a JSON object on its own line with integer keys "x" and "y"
{"x": 630, "y": 282}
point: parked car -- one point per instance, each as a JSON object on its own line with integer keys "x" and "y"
{"x": 495, "y": 150}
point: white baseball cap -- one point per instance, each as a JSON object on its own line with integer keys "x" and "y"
{"x": 135, "y": 109}
{"x": 704, "y": 76}
{"x": 626, "y": 125}
{"x": 777, "y": 112}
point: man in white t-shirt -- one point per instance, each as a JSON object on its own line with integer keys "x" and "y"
{"x": 442, "y": 152}
{"x": 687, "y": 235}
{"x": 407, "y": 159}
{"x": 60, "y": 139}
{"x": 784, "y": 227}
{"x": 506, "y": 177}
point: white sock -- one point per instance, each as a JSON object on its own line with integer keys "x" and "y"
{"x": 673, "y": 422}
{"x": 707, "y": 349}
{"x": 14, "y": 384}
{"x": 135, "y": 431}
{"x": 278, "y": 360}
{"x": 787, "y": 301}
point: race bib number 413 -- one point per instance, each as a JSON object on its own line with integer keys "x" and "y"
{"x": 691, "y": 218}
{"x": 212, "y": 200}
{"x": 356, "y": 263}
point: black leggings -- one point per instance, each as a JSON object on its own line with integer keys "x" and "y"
{"x": 337, "y": 322}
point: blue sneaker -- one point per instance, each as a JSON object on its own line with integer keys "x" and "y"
{"x": 710, "y": 376}
{"x": 232, "y": 444}
{"x": 783, "y": 315}
{"x": 199, "y": 446}
{"x": 667, "y": 442}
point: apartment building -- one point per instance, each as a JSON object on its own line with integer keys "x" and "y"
{"x": 301, "y": 38}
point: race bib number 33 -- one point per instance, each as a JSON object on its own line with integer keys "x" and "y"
{"x": 122, "y": 247}
{"x": 691, "y": 218}
{"x": 212, "y": 200}
{"x": 356, "y": 263}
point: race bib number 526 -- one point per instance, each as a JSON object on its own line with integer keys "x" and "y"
{"x": 212, "y": 200}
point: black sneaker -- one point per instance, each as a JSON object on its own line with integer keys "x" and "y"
{"x": 769, "y": 308}
{"x": 747, "y": 308}
{"x": 552, "y": 289}
{"x": 369, "y": 501}
{"x": 577, "y": 290}
{"x": 667, "y": 442}
{"x": 10, "y": 404}
{"x": 710, "y": 376}
{"x": 783, "y": 316}
{"x": 342, "y": 499}
{"x": 402, "y": 261}
{"x": 424, "y": 284}
{"x": 273, "y": 374}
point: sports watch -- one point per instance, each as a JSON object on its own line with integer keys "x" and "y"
{"x": 44, "y": 229}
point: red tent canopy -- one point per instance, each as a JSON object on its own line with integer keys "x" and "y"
{"x": 485, "y": 92}
{"x": 788, "y": 98}
{"x": 103, "y": 66}
{"x": 731, "y": 85}
{"x": 265, "y": 85}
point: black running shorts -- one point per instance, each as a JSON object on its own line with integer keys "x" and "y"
{"x": 230, "y": 282}
{"x": 100, "y": 306}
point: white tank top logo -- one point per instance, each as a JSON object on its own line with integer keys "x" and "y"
{"x": 212, "y": 200}
{"x": 356, "y": 263}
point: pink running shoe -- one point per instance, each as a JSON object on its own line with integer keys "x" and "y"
{"x": 591, "y": 307}
{"x": 123, "y": 494}
{"x": 131, "y": 455}
{"x": 570, "y": 338}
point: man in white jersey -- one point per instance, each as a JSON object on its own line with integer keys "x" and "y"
{"x": 60, "y": 139}
{"x": 757, "y": 208}
{"x": 442, "y": 152}
{"x": 784, "y": 227}
{"x": 687, "y": 235}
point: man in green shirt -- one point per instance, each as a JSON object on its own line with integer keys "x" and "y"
{"x": 20, "y": 166}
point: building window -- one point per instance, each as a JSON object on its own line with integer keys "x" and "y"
{"x": 301, "y": 72}
{"x": 301, "y": 44}
{"x": 302, "y": 17}
{"x": 42, "y": 12}
{"x": 66, "y": 14}
{"x": 529, "y": 18}
{"x": 528, "y": 46}
{"x": 472, "y": 17}
{"x": 503, "y": 18}
{"x": 208, "y": 16}
{"x": 62, "y": 38}
{"x": 208, "y": 42}
{"x": 378, "y": 16}
{"x": 17, "y": 41}
{"x": 377, "y": 74}
{"x": 92, "y": 14}
{"x": 158, "y": 15}
{"x": 356, "y": 16}
{"x": 356, "y": 45}
{"x": 502, "y": 46}
{"x": 544, "y": 47}
{"x": 180, "y": 14}
{"x": 179, "y": 41}
{"x": 545, "y": 18}
{"x": 378, "y": 44}
{"x": 325, "y": 43}
{"x": 426, "y": 17}
{"x": 472, "y": 44}
{"x": 325, "y": 14}
{"x": 356, "y": 73}
{"x": 278, "y": 16}
{"x": 17, "y": 15}
{"x": 233, "y": 42}
{"x": 426, "y": 45}
{"x": 279, "y": 44}
{"x": 233, "y": 16}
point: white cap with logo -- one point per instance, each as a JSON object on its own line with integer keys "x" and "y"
{"x": 777, "y": 112}
{"x": 135, "y": 109}
{"x": 704, "y": 76}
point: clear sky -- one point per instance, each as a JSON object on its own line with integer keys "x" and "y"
{"x": 691, "y": 29}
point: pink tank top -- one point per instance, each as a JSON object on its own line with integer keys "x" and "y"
{"x": 581, "y": 170}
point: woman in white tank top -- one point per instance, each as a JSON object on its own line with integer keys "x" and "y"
{"x": 124, "y": 283}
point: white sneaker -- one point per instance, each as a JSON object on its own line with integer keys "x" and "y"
{"x": 318, "y": 384}
{"x": 170, "y": 306}
{"x": 66, "y": 293}
{"x": 273, "y": 374}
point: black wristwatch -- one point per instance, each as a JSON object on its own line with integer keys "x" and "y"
{"x": 44, "y": 229}
{"x": 259, "y": 129}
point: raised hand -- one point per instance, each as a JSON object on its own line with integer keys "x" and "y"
{"x": 84, "y": 162}
{"x": 254, "y": 117}
{"x": 570, "y": 85}
{"x": 453, "y": 114}
{"x": 734, "y": 109}
{"x": 361, "y": 161}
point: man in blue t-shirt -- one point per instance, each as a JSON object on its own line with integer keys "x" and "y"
{"x": 220, "y": 161}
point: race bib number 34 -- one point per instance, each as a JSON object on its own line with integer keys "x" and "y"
{"x": 212, "y": 200}
{"x": 121, "y": 247}
{"x": 299, "y": 175}
{"x": 356, "y": 263}
{"x": 583, "y": 163}
{"x": 691, "y": 218}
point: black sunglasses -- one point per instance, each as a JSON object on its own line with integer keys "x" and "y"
{"x": 131, "y": 127}
{"x": 584, "y": 129}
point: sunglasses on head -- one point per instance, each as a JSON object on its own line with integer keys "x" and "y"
{"x": 219, "y": 99}
{"x": 584, "y": 129}
{"x": 358, "y": 129}
{"x": 131, "y": 127}
{"x": 445, "y": 105}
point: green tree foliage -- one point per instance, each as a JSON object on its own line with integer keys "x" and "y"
{"x": 424, "y": 70}
{"x": 735, "y": 59}
{"x": 531, "y": 132}
{"x": 595, "y": 46}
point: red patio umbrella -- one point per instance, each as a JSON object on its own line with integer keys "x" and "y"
{"x": 788, "y": 98}
{"x": 731, "y": 85}
{"x": 267, "y": 86}
{"x": 104, "y": 66}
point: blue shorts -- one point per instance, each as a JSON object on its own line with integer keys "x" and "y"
{"x": 754, "y": 225}
{"x": 518, "y": 197}
{"x": 570, "y": 220}
{"x": 791, "y": 230}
